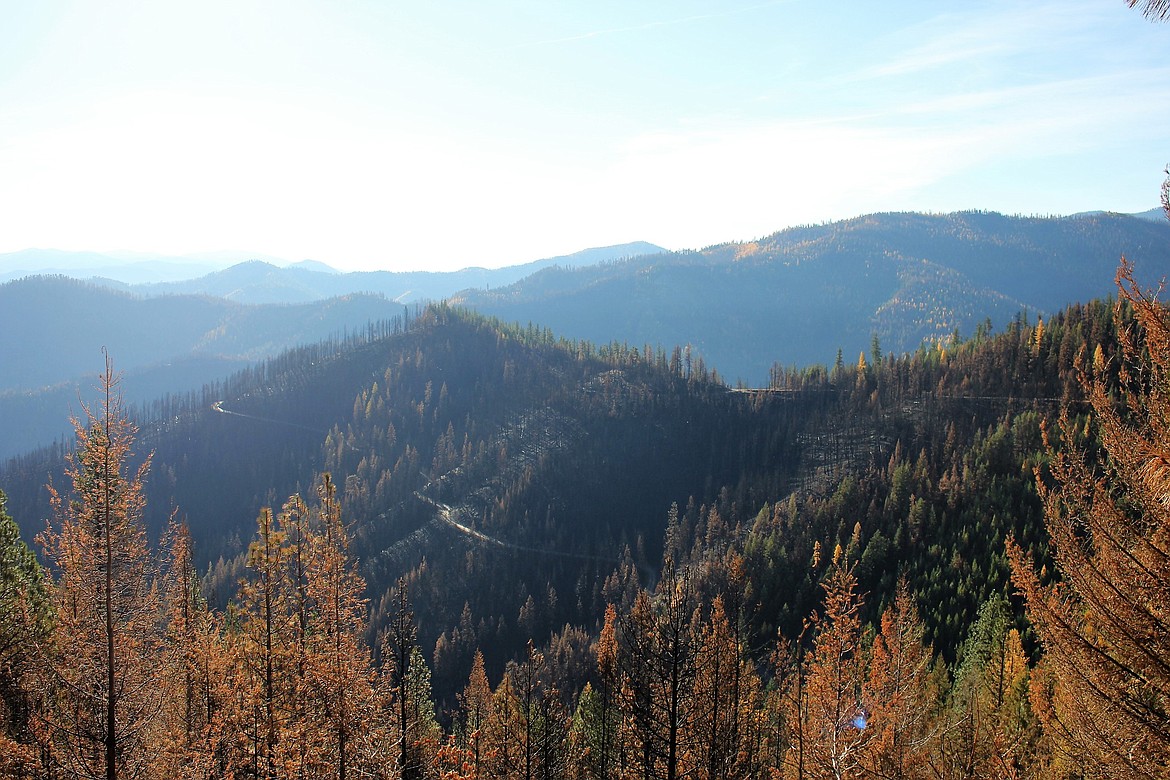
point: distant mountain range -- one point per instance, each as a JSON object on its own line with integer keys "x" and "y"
{"x": 261, "y": 282}
{"x": 53, "y": 330}
{"x": 799, "y": 295}
{"x": 1154, "y": 215}
{"x": 117, "y": 267}
{"x": 793, "y": 298}
{"x": 175, "y": 337}
{"x": 268, "y": 280}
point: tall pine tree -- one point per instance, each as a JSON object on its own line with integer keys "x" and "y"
{"x": 102, "y": 678}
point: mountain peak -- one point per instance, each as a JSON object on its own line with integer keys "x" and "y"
{"x": 316, "y": 266}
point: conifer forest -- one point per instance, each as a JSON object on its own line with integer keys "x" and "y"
{"x": 386, "y": 393}
{"x": 478, "y": 551}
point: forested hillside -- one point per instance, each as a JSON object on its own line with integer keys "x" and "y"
{"x": 503, "y": 489}
{"x": 51, "y": 328}
{"x": 802, "y": 293}
{"x": 795, "y": 297}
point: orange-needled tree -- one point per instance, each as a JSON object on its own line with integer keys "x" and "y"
{"x": 1105, "y": 625}
{"x": 101, "y": 678}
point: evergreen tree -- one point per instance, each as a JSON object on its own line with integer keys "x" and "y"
{"x": 25, "y": 621}
{"x": 341, "y": 709}
{"x": 267, "y": 653}
{"x": 987, "y": 724}
{"x": 406, "y": 684}
{"x": 102, "y": 680}
{"x": 195, "y": 736}
{"x": 898, "y": 697}
{"x": 476, "y": 703}
{"x": 835, "y": 733}
{"x": 658, "y": 647}
{"x": 1105, "y": 626}
{"x": 715, "y": 726}
{"x": 598, "y": 719}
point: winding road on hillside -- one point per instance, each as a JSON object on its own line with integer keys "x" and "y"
{"x": 443, "y": 512}
{"x": 218, "y": 407}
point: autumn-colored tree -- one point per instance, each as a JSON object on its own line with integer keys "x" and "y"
{"x": 301, "y": 745}
{"x": 267, "y": 652}
{"x": 196, "y": 696}
{"x": 726, "y": 700}
{"x": 338, "y": 675}
{"x": 542, "y": 721}
{"x": 502, "y": 754}
{"x": 898, "y": 696}
{"x": 455, "y": 761}
{"x": 303, "y": 682}
{"x": 475, "y": 702}
{"x": 183, "y": 600}
{"x": 598, "y": 720}
{"x": 1105, "y": 625}
{"x": 834, "y": 730}
{"x": 788, "y": 706}
{"x": 101, "y": 679}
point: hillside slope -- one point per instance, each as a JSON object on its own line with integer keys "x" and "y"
{"x": 53, "y": 330}
{"x": 799, "y": 295}
{"x": 519, "y": 483}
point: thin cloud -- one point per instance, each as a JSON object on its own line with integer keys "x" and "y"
{"x": 957, "y": 38}
{"x": 1138, "y": 90}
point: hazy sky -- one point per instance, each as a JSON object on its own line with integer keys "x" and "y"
{"x": 401, "y": 135}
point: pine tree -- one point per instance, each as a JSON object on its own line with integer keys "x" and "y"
{"x": 102, "y": 679}
{"x": 195, "y": 693}
{"x": 598, "y": 717}
{"x": 898, "y": 697}
{"x": 789, "y": 705}
{"x": 987, "y": 723}
{"x": 267, "y": 653}
{"x": 720, "y": 709}
{"x": 476, "y": 703}
{"x": 527, "y": 685}
{"x": 835, "y": 735}
{"x": 502, "y": 733}
{"x": 1106, "y": 626}
{"x": 406, "y": 686}
{"x": 339, "y": 698}
{"x": 425, "y": 736}
{"x": 658, "y": 647}
{"x": 25, "y": 621}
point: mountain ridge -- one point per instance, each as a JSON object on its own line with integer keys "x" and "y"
{"x": 505, "y": 472}
{"x": 203, "y": 273}
{"x": 795, "y": 297}
{"x": 907, "y": 278}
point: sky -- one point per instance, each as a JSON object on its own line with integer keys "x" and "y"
{"x": 408, "y": 135}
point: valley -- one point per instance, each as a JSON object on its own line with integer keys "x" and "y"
{"x": 503, "y": 499}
